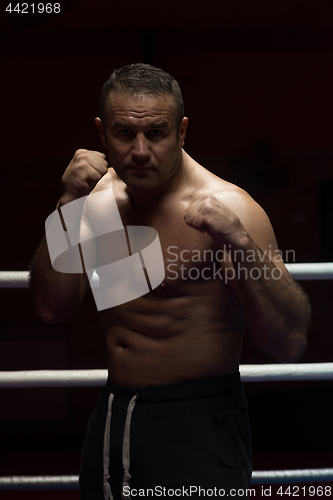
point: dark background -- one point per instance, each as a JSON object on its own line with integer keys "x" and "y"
{"x": 257, "y": 80}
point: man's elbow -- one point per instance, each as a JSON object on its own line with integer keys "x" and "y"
{"x": 290, "y": 352}
{"x": 292, "y": 355}
{"x": 56, "y": 307}
{"x": 297, "y": 342}
{"x": 53, "y": 311}
{"x": 47, "y": 316}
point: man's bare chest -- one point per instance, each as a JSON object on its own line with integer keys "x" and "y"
{"x": 189, "y": 255}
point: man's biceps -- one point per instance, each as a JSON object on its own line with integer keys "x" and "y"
{"x": 262, "y": 233}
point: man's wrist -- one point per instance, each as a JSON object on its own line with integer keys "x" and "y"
{"x": 59, "y": 205}
{"x": 242, "y": 242}
{"x": 63, "y": 200}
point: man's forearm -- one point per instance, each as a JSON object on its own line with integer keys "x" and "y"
{"x": 55, "y": 295}
{"x": 278, "y": 311}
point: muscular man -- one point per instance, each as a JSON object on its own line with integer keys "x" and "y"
{"x": 173, "y": 414}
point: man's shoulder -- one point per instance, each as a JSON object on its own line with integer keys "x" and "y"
{"x": 225, "y": 191}
{"x": 106, "y": 182}
{"x": 234, "y": 197}
{"x": 110, "y": 181}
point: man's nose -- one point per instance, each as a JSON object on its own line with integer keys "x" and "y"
{"x": 140, "y": 149}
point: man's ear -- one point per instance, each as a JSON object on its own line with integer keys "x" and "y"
{"x": 182, "y": 132}
{"x": 100, "y": 128}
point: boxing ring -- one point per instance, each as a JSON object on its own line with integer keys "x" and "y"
{"x": 95, "y": 378}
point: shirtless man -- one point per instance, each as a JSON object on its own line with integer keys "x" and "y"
{"x": 173, "y": 354}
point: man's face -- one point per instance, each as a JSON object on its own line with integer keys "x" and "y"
{"x": 142, "y": 139}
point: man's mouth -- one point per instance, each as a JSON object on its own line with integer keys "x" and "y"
{"x": 143, "y": 168}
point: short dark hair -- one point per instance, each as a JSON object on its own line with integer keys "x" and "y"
{"x": 142, "y": 79}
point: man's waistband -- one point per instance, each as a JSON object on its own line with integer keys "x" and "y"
{"x": 191, "y": 389}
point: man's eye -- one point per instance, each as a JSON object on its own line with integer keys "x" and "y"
{"x": 125, "y": 131}
{"x": 155, "y": 132}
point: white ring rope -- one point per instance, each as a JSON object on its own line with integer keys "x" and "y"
{"x": 292, "y": 476}
{"x": 39, "y": 482}
{"x": 258, "y": 477}
{"x": 306, "y": 271}
{"x": 14, "y": 279}
{"x": 53, "y": 378}
{"x": 97, "y": 378}
{"x": 311, "y": 270}
{"x": 286, "y": 371}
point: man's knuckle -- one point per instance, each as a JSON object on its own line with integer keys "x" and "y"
{"x": 80, "y": 167}
{"x": 80, "y": 152}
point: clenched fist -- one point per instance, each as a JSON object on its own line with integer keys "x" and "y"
{"x": 82, "y": 174}
{"x": 209, "y": 215}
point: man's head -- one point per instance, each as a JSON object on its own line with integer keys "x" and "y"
{"x": 142, "y": 79}
{"x": 142, "y": 126}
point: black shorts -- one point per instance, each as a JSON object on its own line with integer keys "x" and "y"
{"x": 179, "y": 440}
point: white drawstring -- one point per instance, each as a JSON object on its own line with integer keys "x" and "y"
{"x": 126, "y": 449}
{"x": 106, "y": 452}
{"x": 126, "y": 446}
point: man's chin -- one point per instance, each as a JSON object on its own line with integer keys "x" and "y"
{"x": 140, "y": 186}
{"x": 141, "y": 183}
